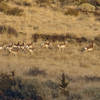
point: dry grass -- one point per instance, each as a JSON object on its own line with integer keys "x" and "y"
{"x": 45, "y": 24}
{"x": 9, "y": 10}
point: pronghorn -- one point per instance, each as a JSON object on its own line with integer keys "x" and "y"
{"x": 12, "y": 50}
{"x": 1, "y": 47}
{"x": 62, "y": 45}
{"x": 19, "y": 44}
{"x": 29, "y": 47}
{"x": 46, "y": 45}
{"x": 89, "y": 47}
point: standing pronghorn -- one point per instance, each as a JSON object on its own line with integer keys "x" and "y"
{"x": 12, "y": 50}
{"x": 46, "y": 45}
{"x": 62, "y": 45}
{"x": 90, "y": 47}
{"x": 29, "y": 47}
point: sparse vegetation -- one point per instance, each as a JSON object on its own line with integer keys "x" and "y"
{"x": 94, "y": 92}
{"x": 9, "y": 10}
{"x": 61, "y": 38}
{"x": 72, "y": 12}
{"x": 8, "y": 30}
{"x": 24, "y": 2}
{"x": 87, "y": 7}
{"x": 36, "y": 71}
{"x": 64, "y": 84}
{"x": 27, "y": 25}
{"x": 16, "y": 88}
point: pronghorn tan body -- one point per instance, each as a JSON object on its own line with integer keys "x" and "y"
{"x": 89, "y": 47}
{"x": 62, "y": 45}
{"x": 46, "y": 45}
{"x": 29, "y": 47}
{"x": 1, "y": 48}
{"x": 12, "y": 50}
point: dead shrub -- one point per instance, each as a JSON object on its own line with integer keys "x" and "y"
{"x": 60, "y": 38}
{"x": 8, "y": 29}
{"x": 82, "y": 39}
{"x": 36, "y": 71}
{"x": 24, "y": 2}
{"x": 72, "y": 12}
{"x": 15, "y": 11}
{"x": 63, "y": 84}
{"x": 43, "y": 3}
{"x": 35, "y": 37}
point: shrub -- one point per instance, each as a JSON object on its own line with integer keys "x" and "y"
{"x": 15, "y": 11}
{"x": 8, "y": 29}
{"x": 16, "y": 88}
{"x": 24, "y": 2}
{"x": 36, "y": 71}
{"x": 63, "y": 85}
{"x": 72, "y": 12}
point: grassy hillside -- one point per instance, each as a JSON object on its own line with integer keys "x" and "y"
{"x": 39, "y": 72}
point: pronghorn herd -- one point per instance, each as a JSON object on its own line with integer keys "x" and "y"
{"x": 13, "y": 48}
